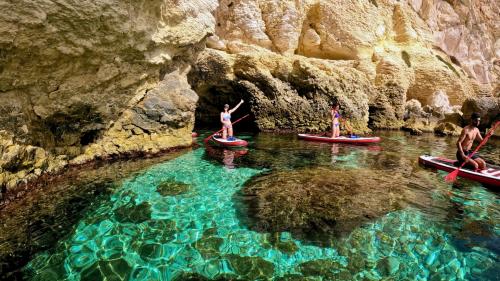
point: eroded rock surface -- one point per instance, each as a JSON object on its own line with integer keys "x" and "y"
{"x": 407, "y": 50}
{"x": 315, "y": 204}
{"x": 95, "y": 79}
{"x": 284, "y": 93}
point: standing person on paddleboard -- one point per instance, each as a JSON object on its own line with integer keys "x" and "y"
{"x": 225, "y": 119}
{"x": 335, "y": 120}
{"x": 465, "y": 141}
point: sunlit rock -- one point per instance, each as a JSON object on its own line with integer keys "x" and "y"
{"x": 283, "y": 93}
{"x": 86, "y": 66}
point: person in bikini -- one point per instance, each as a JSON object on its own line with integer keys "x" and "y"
{"x": 225, "y": 119}
{"x": 465, "y": 141}
{"x": 335, "y": 120}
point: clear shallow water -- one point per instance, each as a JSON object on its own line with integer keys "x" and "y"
{"x": 178, "y": 220}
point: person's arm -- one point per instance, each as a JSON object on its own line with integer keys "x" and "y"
{"x": 459, "y": 143}
{"x": 236, "y": 107}
{"x": 478, "y": 135}
{"x": 222, "y": 117}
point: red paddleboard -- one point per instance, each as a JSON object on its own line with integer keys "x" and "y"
{"x": 235, "y": 142}
{"x": 340, "y": 139}
{"x": 490, "y": 176}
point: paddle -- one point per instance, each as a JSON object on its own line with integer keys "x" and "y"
{"x": 208, "y": 138}
{"x": 453, "y": 175}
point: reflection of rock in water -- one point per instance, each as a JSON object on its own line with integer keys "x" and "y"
{"x": 315, "y": 204}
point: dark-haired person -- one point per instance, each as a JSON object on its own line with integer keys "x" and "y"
{"x": 225, "y": 119}
{"x": 465, "y": 141}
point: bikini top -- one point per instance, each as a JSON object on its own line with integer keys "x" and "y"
{"x": 226, "y": 116}
{"x": 337, "y": 115}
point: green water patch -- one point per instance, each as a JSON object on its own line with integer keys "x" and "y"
{"x": 198, "y": 234}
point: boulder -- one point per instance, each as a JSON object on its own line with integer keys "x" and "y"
{"x": 316, "y": 204}
{"x": 439, "y": 102}
{"x": 447, "y": 129}
{"x": 487, "y": 107}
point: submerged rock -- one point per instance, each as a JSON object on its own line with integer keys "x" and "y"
{"x": 116, "y": 269}
{"x": 250, "y": 268}
{"x": 208, "y": 245}
{"x": 388, "y": 266}
{"x": 315, "y": 204}
{"x": 287, "y": 246}
{"x": 320, "y": 268}
{"x": 133, "y": 213}
{"x": 172, "y": 188}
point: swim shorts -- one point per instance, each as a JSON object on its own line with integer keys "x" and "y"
{"x": 467, "y": 153}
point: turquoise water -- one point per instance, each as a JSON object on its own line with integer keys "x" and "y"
{"x": 179, "y": 220}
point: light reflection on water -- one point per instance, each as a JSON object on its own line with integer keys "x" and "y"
{"x": 190, "y": 227}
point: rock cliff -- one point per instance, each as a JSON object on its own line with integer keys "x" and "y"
{"x": 284, "y": 92}
{"x": 87, "y": 79}
{"x": 407, "y": 50}
{"x": 81, "y": 80}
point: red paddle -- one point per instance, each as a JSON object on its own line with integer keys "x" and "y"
{"x": 453, "y": 175}
{"x": 207, "y": 138}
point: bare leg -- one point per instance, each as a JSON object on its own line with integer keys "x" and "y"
{"x": 337, "y": 131}
{"x": 471, "y": 163}
{"x": 480, "y": 163}
{"x": 224, "y": 133}
{"x": 230, "y": 131}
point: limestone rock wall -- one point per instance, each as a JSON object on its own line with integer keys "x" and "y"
{"x": 90, "y": 79}
{"x": 407, "y": 49}
{"x": 468, "y": 31}
{"x": 283, "y": 92}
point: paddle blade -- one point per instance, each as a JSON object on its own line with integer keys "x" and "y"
{"x": 451, "y": 177}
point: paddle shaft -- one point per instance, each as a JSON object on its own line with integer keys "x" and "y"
{"x": 486, "y": 137}
{"x": 207, "y": 138}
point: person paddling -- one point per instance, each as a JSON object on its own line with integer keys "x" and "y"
{"x": 225, "y": 119}
{"x": 335, "y": 120}
{"x": 465, "y": 141}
